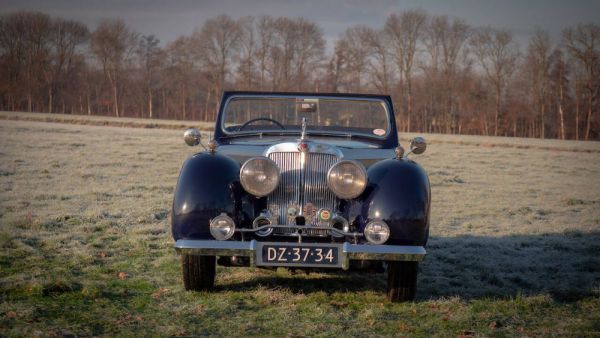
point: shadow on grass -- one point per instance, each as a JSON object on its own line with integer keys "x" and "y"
{"x": 566, "y": 266}
{"x": 301, "y": 283}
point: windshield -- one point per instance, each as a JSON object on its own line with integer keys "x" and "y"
{"x": 324, "y": 115}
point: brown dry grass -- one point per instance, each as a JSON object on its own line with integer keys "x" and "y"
{"x": 95, "y": 120}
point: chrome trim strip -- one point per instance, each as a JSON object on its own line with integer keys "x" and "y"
{"x": 301, "y": 182}
{"x": 303, "y": 227}
{"x": 215, "y": 248}
{"x": 349, "y": 251}
{"x": 384, "y": 252}
{"x": 313, "y": 147}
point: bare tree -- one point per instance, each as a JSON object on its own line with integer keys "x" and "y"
{"x": 216, "y": 45}
{"x": 65, "y": 37}
{"x": 150, "y": 58}
{"x": 338, "y": 67}
{"x": 113, "y": 44}
{"x": 559, "y": 80}
{"x": 497, "y": 55}
{"x": 379, "y": 66}
{"x": 578, "y": 76}
{"x": 12, "y": 48}
{"x": 88, "y": 86}
{"x": 445, "y": 43}
{"x": 247, "y": 53}
{"x": 297, "y": 51}
{"x": 180, "y": 71}
{"x": 37, "y": 41}
{"x": 354, "y": 42}
{"x": 309, "y": 52}
{"x": 583, "y": 43}
{"x": 538, "y": 66}
{"x": 405, "y": 30}
{"x": 25, "y": 42}
{"x": 266, "y": 35}
{"x": 335, "y": 68}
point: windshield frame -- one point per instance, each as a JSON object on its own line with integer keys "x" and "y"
{"x": 385, "y": 101}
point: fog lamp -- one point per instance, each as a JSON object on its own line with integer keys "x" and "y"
{"x": 377, "y": 232}
{"x": 222, "y": 227}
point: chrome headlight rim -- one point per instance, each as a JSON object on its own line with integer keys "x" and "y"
{"x": 368, "y": 232}
{"x": 363, "y": 171}
{"x": 216, "y": 232}
{"x": 250, "y": 189}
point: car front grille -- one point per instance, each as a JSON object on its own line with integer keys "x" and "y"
{"x": 303, "y": 183}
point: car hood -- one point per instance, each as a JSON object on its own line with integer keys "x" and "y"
{"x": 364, "y": 152}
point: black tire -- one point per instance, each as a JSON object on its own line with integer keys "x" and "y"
{"x": 198, "y": 272}
{"x": 402, "y": 281}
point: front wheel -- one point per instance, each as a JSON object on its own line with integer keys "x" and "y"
{"x": 402, "y": 281}
{"x": 198, "y": 272}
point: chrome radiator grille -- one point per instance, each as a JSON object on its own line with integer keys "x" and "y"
{"x": 301, "y": 184}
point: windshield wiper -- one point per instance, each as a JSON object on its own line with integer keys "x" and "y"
{"x": 259, "y": 133}
{"x": 321, "y": 133}
{"x": 295, "y": 132}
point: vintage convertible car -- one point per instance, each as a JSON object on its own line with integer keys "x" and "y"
{"x": 306, "y": 182}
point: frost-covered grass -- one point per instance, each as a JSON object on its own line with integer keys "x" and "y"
{"x": 85, "y": 247}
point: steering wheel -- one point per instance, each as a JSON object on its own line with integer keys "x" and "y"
{"x": 261, "y": 119}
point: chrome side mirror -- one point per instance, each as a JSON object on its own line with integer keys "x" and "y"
{"x": 192, "y": 137}
{"x": 418, "y": 145}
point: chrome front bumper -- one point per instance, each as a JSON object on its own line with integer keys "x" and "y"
{"x": 348, "y": 251}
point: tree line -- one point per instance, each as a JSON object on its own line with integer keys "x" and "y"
{"x": 444, "y": 75}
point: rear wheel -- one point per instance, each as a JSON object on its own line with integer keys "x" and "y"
{"x": 198, "y": 272}
{"x": 402, "y": 281}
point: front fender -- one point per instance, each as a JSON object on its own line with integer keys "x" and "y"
{"x": 208, "y": 185}
{"x": 398, "y": 193}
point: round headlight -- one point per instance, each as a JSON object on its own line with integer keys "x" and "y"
{"x": 377, "y": 232}
{"x": 222, "y": 227}
{"x": 259, "y": 176}
{"x": 347, "y": 179}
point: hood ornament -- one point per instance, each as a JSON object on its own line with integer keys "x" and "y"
{"x": 303, "y": 146}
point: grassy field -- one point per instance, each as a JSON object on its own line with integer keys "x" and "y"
{"x": 95, "y": 120}
{"x": 86, "y": 247}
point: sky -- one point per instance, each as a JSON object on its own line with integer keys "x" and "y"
{"x": 170, "y": 19}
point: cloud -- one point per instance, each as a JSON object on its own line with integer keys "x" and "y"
{"x": 170, "y": 19}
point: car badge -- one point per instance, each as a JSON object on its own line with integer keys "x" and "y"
{"x": 292, "y": 211}
{"x": 309, "y": 212}
{"x": 303, "y": 147}
{"x": 324, "y": 215}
